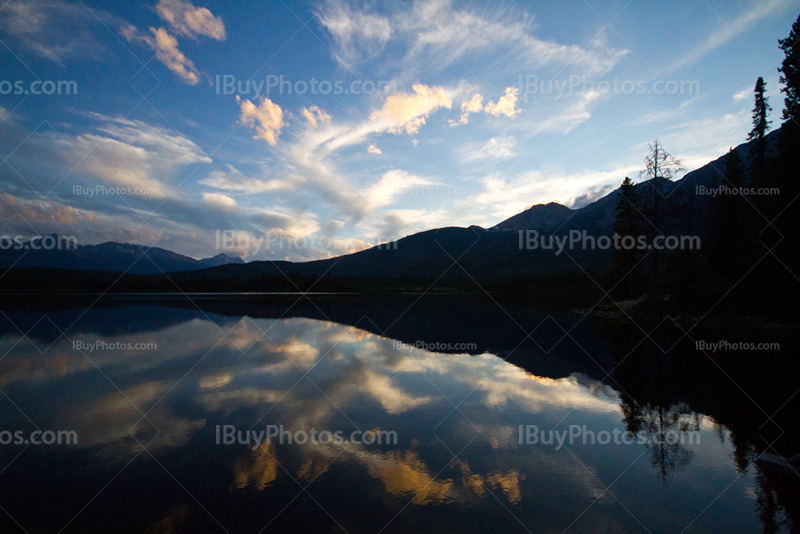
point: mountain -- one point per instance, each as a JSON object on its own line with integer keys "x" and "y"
{"x": 540, "y": 217}
{"x": 220, "y": 259}
{"x": 56, "y": 251}
{"x": 445, "y": 253}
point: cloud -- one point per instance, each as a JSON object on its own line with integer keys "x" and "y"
{"x": 190, "y": 21}
{"x": 592, "y": 194}
{"x": 389, "y": 187}
{"x": 54, "y": 30}
{"x": 501, "y": 197}
{"x": 51, "y": 213}
{"x": 501, "y": 147}
{"x": 357, "y": 36}
{"x": 219, "y": 201}
{"x": 166, "y": 48}
{"x": 729, "y": 30}
{"x": 505, "y": 105}
{"x": 266, "y": 118}
{"x": 184, "y": 19}
{"x": 131, "y": 154}
{"x": 744, "y": 93}
{"x": 315, "y": 116}
{"x": 435, "y": 33}
{"x": 372, "y": 149}
{"x": 234, "y": 180}
{"x": 407, "y": 112}
{"x": 473, "y": 105}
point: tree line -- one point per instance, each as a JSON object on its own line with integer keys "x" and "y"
{"x": 751, "y": 227}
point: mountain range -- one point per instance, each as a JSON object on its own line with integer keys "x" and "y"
{"x": 55, "y": 251}
{"x": 472, "y": 251}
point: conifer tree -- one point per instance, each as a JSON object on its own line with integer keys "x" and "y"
{"x": 760, "y": 125}
{"x": 729, "y": 232}
{"x": 626, "y": 224}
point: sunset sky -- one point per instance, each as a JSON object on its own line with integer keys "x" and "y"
{"x": 346, "y": 124}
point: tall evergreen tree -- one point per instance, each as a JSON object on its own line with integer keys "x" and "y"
{"x": 729, "y": 231}
{"x": 760, "y": 125}
{"x": 790, "y": 76}
{"x": 626, "y": 224}
{"x": 788, "y": 164}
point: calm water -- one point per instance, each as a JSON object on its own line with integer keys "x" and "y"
{"x": 149, "y": 419}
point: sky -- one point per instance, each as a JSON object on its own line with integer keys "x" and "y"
{"x": 305, "y": 130}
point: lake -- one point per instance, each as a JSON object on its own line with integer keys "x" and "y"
{"x": 386, "y": 413}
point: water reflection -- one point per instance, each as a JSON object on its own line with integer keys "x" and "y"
{"x": 147, "y": 418}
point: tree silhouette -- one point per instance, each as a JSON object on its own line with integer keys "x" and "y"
{"x": 730, "y": 236}
{"x": 660, "y": 166}
{"x": 760, "y": 125}
{"x": 626, "y": 225}
{"x": 788, "y": 221}
{"x": 790, "y": 76}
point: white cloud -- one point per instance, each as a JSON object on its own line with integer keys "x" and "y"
{"x": 501, "y": 147}
{"x": 505, "y": 105}
{"x": 219, "y": 201}
{"x": 389, "y": 187}
{"x": 58, "y": 31}
{"x": 315, "y": 116}
{"x": 473, "y": 105}
{"x": 190, "y": 21}
{"x": 372, "y": 149}
{"x": 434, "y": 33}
{"x": 744, "y": 93}
{"x": 730, "y": 29}
{"x": 234, "y": 180}
{"x": 184, "y": 19}
{"x": 266, "y": 118}
{"x": 407, "y": 112}
{"x": 166, "y": 48}
{"x": 130, "y": 153}
{"x": 357, "y": 35}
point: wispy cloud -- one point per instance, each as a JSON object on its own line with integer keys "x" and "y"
{"x": 190, "y": 21}
{"x": 729, "y": 30}
{"x": 433, "y": 33}
{"x": 183, "y": 19}
{"x": 58, "y": 31}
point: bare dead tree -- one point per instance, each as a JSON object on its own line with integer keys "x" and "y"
{"x": 659, "y": 166}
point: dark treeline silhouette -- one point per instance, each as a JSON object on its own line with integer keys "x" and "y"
{"x": 750, "y": 254}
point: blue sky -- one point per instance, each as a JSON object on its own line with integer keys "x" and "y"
{"x": 423, "y": 114}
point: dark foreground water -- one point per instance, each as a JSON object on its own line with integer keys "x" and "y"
{"x": 437, "y": 415}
